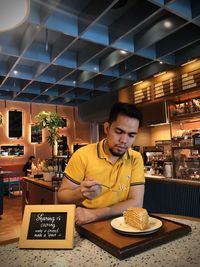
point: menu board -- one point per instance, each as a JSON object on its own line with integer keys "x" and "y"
{"x": 43, "y": 224}
{"x": 188, "y": 81}
{"x": 165, "y": 86}
{"x": 142, "y": 95}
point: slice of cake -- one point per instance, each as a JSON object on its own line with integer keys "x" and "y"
{"x": 137, "y": 217}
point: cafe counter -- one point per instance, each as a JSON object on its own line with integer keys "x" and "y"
{"x": 162, "y": 195}
{"x": 181, "y": 252}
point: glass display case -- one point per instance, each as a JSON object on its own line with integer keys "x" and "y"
{"x": 186, "y": 162}
{"x": 181, "y": 109}
{"x": 185, "y": 136}
{"x": 154, "y": 157}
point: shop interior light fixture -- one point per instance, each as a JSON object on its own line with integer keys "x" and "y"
{"x": 138, "y": 83}
{"x": 159, "y": 124}
{"x": 13, "y": 13}
{"x": 159, "y": 74}
{"x": 189, "y": 62}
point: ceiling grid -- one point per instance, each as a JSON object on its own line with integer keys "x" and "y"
{"x": 70, "y": 52}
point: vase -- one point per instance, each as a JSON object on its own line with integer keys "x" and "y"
{"x": 47, "y": 176}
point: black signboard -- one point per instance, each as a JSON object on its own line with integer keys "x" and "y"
{"x": 15, "y": 124}
{"x": 47, "y": 225}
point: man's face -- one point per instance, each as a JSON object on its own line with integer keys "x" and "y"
{"x": 121, "y": 134}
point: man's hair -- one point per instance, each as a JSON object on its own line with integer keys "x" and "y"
{"x": 31, "y": 157}
{"x": 127, "y": 109}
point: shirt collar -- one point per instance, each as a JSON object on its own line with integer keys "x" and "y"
{"x": 100, "y": 150}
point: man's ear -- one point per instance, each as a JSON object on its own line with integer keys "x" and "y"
{"x": 106, "y": 127}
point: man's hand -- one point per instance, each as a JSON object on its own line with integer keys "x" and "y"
{"x": 84, "y": 215}
{"x": 90, "y": 189}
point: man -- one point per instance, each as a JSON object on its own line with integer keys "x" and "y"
{"x": 110, "y": 162}
{"x": 28, "y": 164}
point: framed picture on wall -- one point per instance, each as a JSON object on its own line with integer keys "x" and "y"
{"x": 12, "y": 150}
{"x": 14, "y": 124}
{"x": 64, "y": 122}
{"x": 36, "y": 133}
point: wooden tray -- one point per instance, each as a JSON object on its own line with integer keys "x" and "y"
{"x": 122, "y": 246}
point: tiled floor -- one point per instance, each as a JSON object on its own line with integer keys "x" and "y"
{"x": 10, "y": 221}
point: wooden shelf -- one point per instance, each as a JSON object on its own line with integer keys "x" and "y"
{"x": 186, "y": 147}
{"x": 185, "y": 116}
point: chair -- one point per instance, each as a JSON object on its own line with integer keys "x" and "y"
{"x": 12, "y": 178}
{"x": 12, "y": 184}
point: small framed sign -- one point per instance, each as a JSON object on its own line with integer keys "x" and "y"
{"x": 36, "y": 133}
{"x": 64, "y": 122}
{"x": 48, "y": 226}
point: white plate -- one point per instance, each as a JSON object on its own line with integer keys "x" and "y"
{"x": 120, "y": 226}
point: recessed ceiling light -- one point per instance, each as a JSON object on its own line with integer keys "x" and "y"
{"x": 167, "y": 24}
{"x": 123, "y": 52}
{"x": 15, "y": 72}
{"x": 160, "y": 62}
{"x": 74, "y": 82}
{"x": 95, "y": 68}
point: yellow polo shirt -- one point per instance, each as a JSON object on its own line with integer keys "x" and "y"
{"x": 91, "y": 161}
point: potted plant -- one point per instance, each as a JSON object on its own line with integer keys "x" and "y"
{"x": 49, "y": 169}
{"x": 51, "y": 121}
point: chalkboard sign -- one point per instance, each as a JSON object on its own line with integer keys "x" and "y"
{"x": 43, "y": 224}
{"x": 47, "y": 225}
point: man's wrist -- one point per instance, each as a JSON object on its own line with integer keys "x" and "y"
{"x": 82, "y": 197}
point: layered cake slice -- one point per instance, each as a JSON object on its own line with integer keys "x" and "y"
{"x": 137, "y": 217}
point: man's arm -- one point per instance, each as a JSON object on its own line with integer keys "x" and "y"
{"x": 135, "y": 199}
{"x": 70, "y": 192}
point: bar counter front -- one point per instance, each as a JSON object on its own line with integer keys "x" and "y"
{"x": 181, "y": 252}
{"x": 162, "y": 195}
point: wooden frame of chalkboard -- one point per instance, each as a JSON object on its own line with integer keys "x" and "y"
{"x": 47, "y": 226}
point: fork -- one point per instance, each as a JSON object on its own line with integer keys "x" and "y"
{"x": 114, "y": 190}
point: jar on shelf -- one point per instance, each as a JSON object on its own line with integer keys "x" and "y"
{"x": 168, "y": 169}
